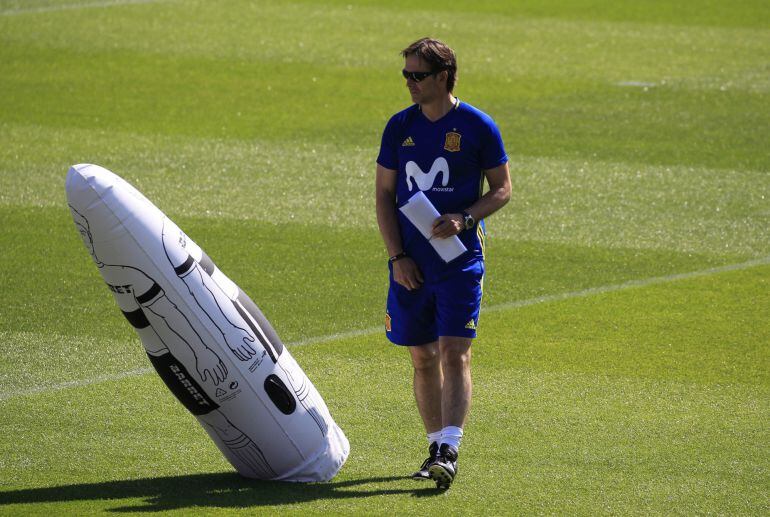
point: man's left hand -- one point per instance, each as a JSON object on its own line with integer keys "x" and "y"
{"x": 448, "y": 225}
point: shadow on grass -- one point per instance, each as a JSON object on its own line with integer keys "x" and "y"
{"x": 210, "y": 490}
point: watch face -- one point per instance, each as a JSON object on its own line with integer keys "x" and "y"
{"x": 469, "y": 222}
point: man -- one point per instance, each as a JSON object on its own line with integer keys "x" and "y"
{"x": 433, "y": 306}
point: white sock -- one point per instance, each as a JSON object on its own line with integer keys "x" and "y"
{"x": 434, "y": 437}
{"x": 451, "y": 435}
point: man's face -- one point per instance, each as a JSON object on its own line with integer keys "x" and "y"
{"x": 427, "y": 90}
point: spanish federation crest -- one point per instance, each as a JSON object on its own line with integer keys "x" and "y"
{"x": 452, "y": 142}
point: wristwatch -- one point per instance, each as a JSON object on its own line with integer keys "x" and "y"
{"x": 468, "y": 220}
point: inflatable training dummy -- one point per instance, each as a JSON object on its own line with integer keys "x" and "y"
{"x": 207, "y": 340}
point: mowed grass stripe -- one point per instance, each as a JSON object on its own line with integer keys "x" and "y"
{"x": 52, "y": 288}
{"x": 697, "y": 209}
{"x": 506, "y": 306}
{"x": 527, "y": 46}
{"x": 709, "y": 98}
{"x": 573, "y": 442}
{"x": 653, "y": 12}
{"x": 73, "y": 6}
{"x": 582, "y": 420}
{"x": 538, "y": 116}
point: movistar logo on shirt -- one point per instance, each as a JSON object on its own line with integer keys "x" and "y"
{"x": 424, "y": 181}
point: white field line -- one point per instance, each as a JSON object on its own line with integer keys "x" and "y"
{"x": 69, "y": 7}
{"x": 75, "y": 384}
{"x": 373, "y": 330}
{"x": 560, "y": 296}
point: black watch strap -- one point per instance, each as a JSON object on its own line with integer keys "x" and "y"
{"x": 468, "y": 220}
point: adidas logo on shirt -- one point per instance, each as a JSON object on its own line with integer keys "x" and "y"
{"x": 408, "y": 142}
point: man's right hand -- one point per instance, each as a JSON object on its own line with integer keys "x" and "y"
{"x": 407, "y": 274}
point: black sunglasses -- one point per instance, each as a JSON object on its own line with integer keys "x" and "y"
{"x": 416, "y": 76}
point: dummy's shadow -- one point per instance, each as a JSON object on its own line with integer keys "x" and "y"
{"x": 212, "y": 490}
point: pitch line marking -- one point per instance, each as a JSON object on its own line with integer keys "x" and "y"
{"x": 70, "y": 7}
{"x": 373, "y": 330}
{"x": 562, "y": 296}
{"x": 74, "y": 384}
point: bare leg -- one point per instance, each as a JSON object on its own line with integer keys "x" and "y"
{"x": 455, "y": 354}
{"x": 428, "y": 381}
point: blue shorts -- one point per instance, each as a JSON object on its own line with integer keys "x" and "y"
{"x": 445, "y": 306}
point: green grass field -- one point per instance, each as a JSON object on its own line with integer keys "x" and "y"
{"x": 623, "y": 363}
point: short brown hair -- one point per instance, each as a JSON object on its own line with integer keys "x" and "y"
{"x": 438, "y": 55}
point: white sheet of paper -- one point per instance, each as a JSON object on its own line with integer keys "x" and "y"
{"x": 421, "y": 213}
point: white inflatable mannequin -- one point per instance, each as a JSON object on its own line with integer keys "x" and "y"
{"x": 208, "y": 341}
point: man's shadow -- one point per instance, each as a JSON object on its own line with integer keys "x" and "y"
{"x": 210, "y": 490}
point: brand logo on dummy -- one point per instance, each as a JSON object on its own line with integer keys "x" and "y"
{"x": 121, "y": 289}
{"x": 424, "y": 180}
{"x": 191, "y": 389}
{"x": 408, "y": 142}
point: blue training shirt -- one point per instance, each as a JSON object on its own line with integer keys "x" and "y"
{"x": 445, "y": 160}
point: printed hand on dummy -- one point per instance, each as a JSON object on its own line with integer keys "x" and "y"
{"x": 239, "y": 341}
{"x": 208, "y": 364}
